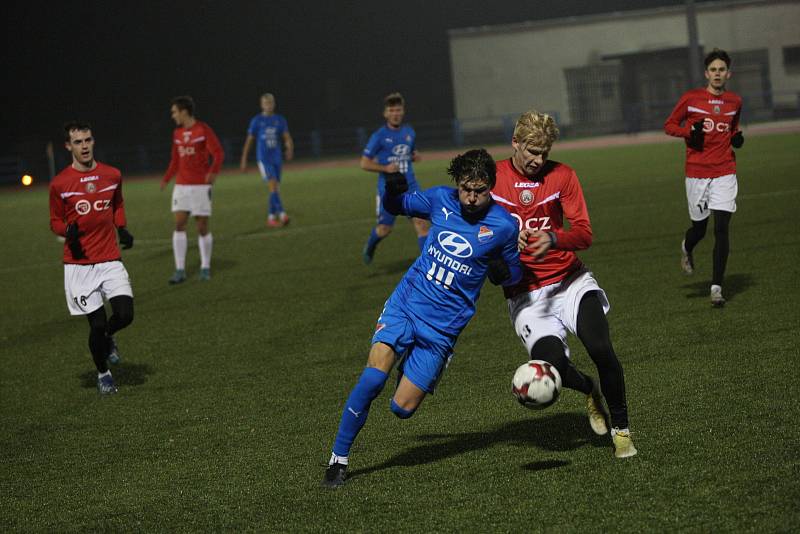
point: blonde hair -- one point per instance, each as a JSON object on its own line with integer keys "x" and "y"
{"x": 536, "y": 128}
{"x": 268, "y": 96}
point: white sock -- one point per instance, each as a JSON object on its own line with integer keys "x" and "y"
{"x": 205, "y": 243}
{"x": 179, "y": 244}
{"x": 615, "y": 431}
{"x": 101, "y": 375}
{"x": 338, "y": 460}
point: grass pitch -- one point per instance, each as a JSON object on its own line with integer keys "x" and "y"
{"x": 231, "y": 390}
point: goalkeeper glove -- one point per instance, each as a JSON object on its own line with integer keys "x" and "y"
{"x": 125, "y": 238}
{"x": 72, "y": 236}
{"x": 396, "y": 183}
{"x": 498, "y": 271}
{"x": 737, "y": 140}
{"x": 697, "y": 136}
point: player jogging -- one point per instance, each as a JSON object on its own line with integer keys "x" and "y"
{"x": 470, "y": 238}
{"x": 193, "y": 143}
{"x": 86, "y": 208}
{"x": 391, "y": 148}
{"x": 557, "y": 293}
{"x": 708, "y": 119}
{"x": 267, "y": 129}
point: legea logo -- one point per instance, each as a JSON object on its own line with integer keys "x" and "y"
{"x": 454, "y": 244}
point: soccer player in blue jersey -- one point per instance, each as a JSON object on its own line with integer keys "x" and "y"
{"x": 391, "y": 148}
{"x": 471, "y": 238}
{"x": 267, "y": 130}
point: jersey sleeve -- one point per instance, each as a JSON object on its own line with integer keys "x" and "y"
{"x": 679, "y": 114}
{"x": 284, "y": 125}
{"x": 510, "y": 254}
{"x": 418, "y": 204}
{"x": 373, "y": 145}
{"x": 118, "y": 205}
{"x": 735, "y": 121}
{"x": 173, "y": 163}
{"x": 214, "y": 150}
{"x": 57, "y": 223}
{"x": 252, "y": 128}
{"x": 573, "y": 205}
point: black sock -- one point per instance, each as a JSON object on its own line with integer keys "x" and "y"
{"x": 722, "y": 221}
{"x": 98, "y": 342}
{"x": 593, "y": 333}
{"x": 694, "y": 234}
{"x": 551, "y": 350}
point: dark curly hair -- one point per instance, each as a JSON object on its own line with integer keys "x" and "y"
{"x": 78, "y": 125}
{"x": 475, "y": 164}
{"x": 718, "y": 54}
{"x": 184, "y": 102}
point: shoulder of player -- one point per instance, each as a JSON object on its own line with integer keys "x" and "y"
{"x": 499, "y": 218}
{"x": 108, "y": 170}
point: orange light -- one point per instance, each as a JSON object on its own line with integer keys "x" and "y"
{"x": 27, "y": 180}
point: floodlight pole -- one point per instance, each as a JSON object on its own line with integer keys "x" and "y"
{"x": 694, "y": 45}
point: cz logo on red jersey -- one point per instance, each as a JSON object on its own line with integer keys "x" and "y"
{"x": 709, "y": 126}
{"x": 84, "y": 206}
{"x": 186, "y": 151}
{"x": 534, "y": 223}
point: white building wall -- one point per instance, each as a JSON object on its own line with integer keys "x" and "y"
{"x": 505, "y": 70}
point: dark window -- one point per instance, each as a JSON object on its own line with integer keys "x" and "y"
{"x": 791, "y": 58}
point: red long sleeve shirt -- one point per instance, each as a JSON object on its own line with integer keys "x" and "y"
{"x": 93, "y": 199}
{"x": 542, "y": 203}
{"x": 720, "y": 116}
{"x": 191, "y": 150}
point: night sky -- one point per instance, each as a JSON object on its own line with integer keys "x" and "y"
{"x": 118, "y": 64}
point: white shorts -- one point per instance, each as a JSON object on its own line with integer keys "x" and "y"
{"x": 86, "y": 285}
{"x": 706, "y": 194}
{"x": 196, "y": 199}
{"x": 552, "y": 310}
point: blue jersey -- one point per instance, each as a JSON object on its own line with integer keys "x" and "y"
{"x": 268, "y": 131}
{"x": 442, "y": 286}
{"x": 387, "y": 145}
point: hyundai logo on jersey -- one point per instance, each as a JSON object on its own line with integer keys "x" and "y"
{"x": 454, "y": 244}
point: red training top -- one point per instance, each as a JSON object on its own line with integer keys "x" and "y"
{"x": 720, "y": 116}
{"x": 93, "y": 199}
{"x": 191, "y": 149}
{"x": 542, "y": 203}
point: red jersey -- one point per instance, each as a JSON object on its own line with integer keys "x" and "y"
{"x": 542, "y": 203}
{"x": 93, "y": 199}
{"x": 720, "y": 116}
{"x": 191, "y": 149}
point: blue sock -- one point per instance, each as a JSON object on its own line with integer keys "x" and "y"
{"x": 273, "y": 210}
{"x": 421, "y": 243}
{"x": 355, "y": 412}
{"x": 402, "y": 413}
{"x": 373, "y": 241}
{"x": 278, "y": 203}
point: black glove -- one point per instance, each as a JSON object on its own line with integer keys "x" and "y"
{"x": 737, "y": 140}
{"x": 125, "y": 238}
{"x": 72, "y": 236}
{"x": 396, "y": 183}
{"x": 697, "y": 136}
{"x": 498, "y": 271}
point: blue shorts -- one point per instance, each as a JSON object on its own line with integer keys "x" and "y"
{"x": 424, "y": 352}
{"x": 384, "y": 217}
{"x": 270, "y": 170}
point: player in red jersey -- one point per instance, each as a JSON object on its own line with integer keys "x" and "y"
{"x": 708, "y": 119}
{"x": 558, "y": 293}
{"x": 86, "y": 208}
{"x": 193, "y": 143}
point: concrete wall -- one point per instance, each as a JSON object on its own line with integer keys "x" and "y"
{"x": 505, "y": 70}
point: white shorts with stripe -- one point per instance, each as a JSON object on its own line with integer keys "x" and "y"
{"x": 552, "y": 310}
{"x": 706, "y": 194}
{"x": 196, "y": 199}
{"x": 85, "y": 286}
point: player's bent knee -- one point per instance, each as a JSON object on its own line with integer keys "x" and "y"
{"x": 400, "y": 412}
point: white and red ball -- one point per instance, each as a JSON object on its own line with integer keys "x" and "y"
{"x": 536, "y": 384}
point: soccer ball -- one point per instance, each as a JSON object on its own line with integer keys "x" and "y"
{"x": 536, "y": 384}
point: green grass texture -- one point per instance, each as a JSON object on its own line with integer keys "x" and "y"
{"x": 231, "y": 390}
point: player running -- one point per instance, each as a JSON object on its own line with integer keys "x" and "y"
{"x": 86, "y": 208}
{"x": 470, "y": 238}
{"x": 708, "y": 119}
{"x": 557, "y": 293}
{"x": 391, "y": 148}
{"x": 193, "y": 143}
{"x": 269, "y": 128}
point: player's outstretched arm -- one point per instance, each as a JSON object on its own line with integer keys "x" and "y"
{"x": 371, "y": 165}
{"x": 672, "y": 126}
{"x": 172, "y": 169}
{"x": 288, "y": 145}
{"x": 245, "y": 151}
{"x": 57, "y": 224}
